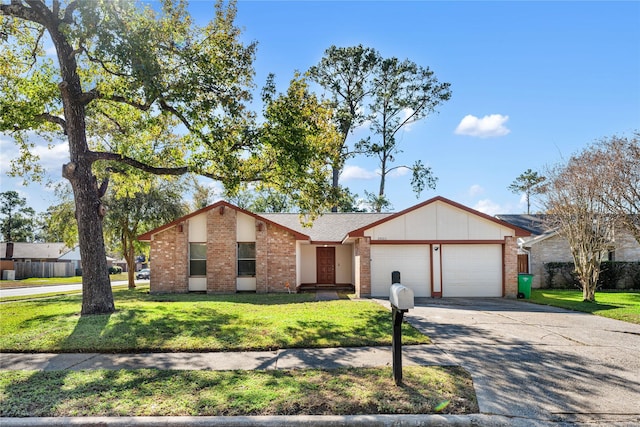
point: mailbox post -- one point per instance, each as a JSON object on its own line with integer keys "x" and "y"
{"x": 401, "y": 299}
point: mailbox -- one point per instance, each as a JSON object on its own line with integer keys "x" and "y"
{"x": 401, "y": 297}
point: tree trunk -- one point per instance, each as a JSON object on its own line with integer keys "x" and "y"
{"x": 589, "y": 293}
{"x": 131, "y": 264}
{"x": 97, "y": 297}
{"x": 334, "y": 183}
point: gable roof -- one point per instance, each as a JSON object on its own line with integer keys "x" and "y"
{"x": 330, "y": 227}
{"x": 146, "y": 237}
{"x": 517, "y": 230}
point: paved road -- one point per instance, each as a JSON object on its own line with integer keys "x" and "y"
{"x": 538, "y": 362}
{"x": 38, "y": 290}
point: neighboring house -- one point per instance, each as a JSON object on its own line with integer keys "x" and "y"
{"x": 73, "y": 256}
{"x": 32, "y": 252}
{"x": 441, "y": 248}
{"x": 545, "y": 246}
{"x": 26, "y": 260}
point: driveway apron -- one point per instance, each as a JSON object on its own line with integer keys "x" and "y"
{"x": 535, "y": 361}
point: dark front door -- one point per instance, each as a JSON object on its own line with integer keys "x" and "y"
{"x": 326, "y": 265}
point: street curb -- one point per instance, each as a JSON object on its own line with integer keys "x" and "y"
{"x": 281, "y": 421}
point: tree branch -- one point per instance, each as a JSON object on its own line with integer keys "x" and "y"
{"x": 19, "y": 10}
{"x": 68, "y": 13}
{"x": 54, "y": 119}
{"x": 114, "y": 157}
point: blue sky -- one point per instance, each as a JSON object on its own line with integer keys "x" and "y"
{"x": 532, "y": 83}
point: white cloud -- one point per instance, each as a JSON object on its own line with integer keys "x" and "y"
{"x": 488, "y": 207}
{"x": 402, "y": 171}
{"x": 406, "y": 113}
{"x": 475, "y": 190}
{"x": 356, "y": 172}
{"x": 54, "y": 157}
{"x": 486, "y": 127}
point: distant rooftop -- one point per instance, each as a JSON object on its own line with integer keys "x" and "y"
{"x": 535, "y": 224}
{"x": 24, "y": 250}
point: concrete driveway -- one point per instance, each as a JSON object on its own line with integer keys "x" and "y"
{"x": 538, "y": 362}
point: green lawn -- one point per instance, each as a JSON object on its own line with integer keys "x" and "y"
{"x": 196, "y": 322}
{"x": 51, "y": 281}
{"x": 170, "y": 393}
{"x": 616, "y": 305}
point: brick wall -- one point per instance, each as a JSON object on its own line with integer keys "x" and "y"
{"x": 221, "y": 250}
{"x": 362, "y": 250}
{"x": 169, "y": 261}
{"x": 280, "y": 261}
{"x": 262, "y": 252}
{"x": 627, "y": 247}
{"x": 510, "y": 267}
{"x": 553, "y": 249}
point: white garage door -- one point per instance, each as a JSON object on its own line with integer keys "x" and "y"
{"x": 472, "y": 271}
{"x": 412, "y": 261}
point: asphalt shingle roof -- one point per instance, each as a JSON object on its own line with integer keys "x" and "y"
{"x": 330, "y": 227}
{"x": 23, "y": 250}
{"x": 535, "y": 224}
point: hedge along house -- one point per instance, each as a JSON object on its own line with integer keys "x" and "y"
{"x": 440, "y": 247}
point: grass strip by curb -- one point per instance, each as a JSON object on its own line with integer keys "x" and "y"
{"x": 148, "y": 392}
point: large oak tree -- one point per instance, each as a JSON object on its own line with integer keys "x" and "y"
{"x": 152, "y": 71}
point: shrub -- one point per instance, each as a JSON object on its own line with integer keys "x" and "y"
{"x": 613, "y": 275}
{"x": 114, "y": 269}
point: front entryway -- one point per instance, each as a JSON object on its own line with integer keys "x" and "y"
{"x": 326, "y": 265}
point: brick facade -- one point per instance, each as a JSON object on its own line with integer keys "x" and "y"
{"x": 553, "y": 249}
{"x": 362, "y": 251}
{"x": 221, "y": 250}
{"x": 280, "y": 260}
{"x": 169, "y": 255}
{"x": 556, "y": 249}
{"x": 510, "y": 267}
{"x": 275, "y": 256}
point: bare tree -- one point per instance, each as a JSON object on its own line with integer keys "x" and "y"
{"x": 617, "y": 162}
{"x": 575, "y": 207}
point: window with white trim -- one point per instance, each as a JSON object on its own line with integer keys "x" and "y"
{"x": 197, "y": 259}
{"x": 246, "y": 259}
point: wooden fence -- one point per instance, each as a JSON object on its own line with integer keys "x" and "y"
{"x": 25, "y": 270}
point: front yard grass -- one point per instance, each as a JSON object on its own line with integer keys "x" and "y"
{"x": 196, "y": 323}
{"x": 51, "y": 281}
{"x": 623, "y": 306}
{"x": 276, "y": 392}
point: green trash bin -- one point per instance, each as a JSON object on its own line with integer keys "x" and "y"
{"x": 524, "y": 285}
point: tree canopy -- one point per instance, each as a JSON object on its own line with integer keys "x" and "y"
{"x": 17, "y": 221}
{"x": 529, "y": 183}
{"x": 143, "y": 90}
{"x": 390, "y": 94}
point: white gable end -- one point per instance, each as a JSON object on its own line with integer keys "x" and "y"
{"x": 439, "y": 221}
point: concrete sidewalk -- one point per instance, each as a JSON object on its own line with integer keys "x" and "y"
{"x": 322, "y": 358}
